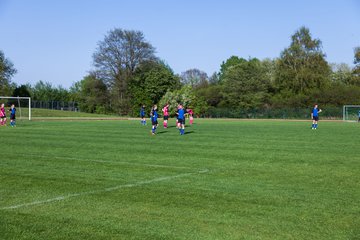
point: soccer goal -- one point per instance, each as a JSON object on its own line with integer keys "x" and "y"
{"x": 351, "y": 113}
{"x": 22, "y": 105}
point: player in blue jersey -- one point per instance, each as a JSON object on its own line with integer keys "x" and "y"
{"x": 12, "y": 116}
{"x": 315, "y": 116}
{"x": 154, "y": 116}
{"x": 359, "y": 116}
{"x": 142, "y": 115}
{"x": 181, "y": 119}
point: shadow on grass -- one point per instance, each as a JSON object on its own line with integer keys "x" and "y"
{"x": 189, "y": 132}
{"x": 162, "y": 132}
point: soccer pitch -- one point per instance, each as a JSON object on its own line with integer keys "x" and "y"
{"x": 222, "y": 180}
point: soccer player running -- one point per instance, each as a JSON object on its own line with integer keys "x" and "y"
{"x": 2, "y": 115}
{"x": 142, "y": 115}
{"x": 165, "y": 111}
{"x": 154, "y": 117}
{"x": 12, "y": 116}
{"x": 315, "y": 116}
{"x": 191, "y": 115}
{"x": 181, "y": 119}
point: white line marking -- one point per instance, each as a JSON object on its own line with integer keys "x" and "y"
{"x": 109, "y": 189}
{"x": 103, "y": 161}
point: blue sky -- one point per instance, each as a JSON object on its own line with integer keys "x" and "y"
{"x": 53, "y": 40}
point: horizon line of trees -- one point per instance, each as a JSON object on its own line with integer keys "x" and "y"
{"x": 128, "y": 74}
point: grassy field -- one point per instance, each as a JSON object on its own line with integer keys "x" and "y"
{"x": 38, "y": 113}
{"x": 222, "y": 180}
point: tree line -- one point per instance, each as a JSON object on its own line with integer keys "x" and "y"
{"x": 127, "y": 74}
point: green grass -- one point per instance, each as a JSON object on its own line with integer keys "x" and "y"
{"x": 222, "y": 180}
{"x": 38, "y": 113}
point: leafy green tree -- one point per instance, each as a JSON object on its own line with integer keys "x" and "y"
{"x": 228, "y": 64}
{"x": 356, "y": 70}
{"x": 269, "y": 66}
{"x": 341, "y": 73}
{"x": 7, "y": 71}
{"x": 301, "y": 70}
{"x": 116, "y": 59}
{"x": 93, "y": 95}
{"x": 214, "y": 79}
{"x": 62, "y": 94}
{"x": 337, "y": 95}
{"x": 302, "y": 67}
{"x": 244, "y": 84}
{"x": 211, "y": 94}
{"x": 186, "y": 97}
{"x": 151, "y": 80}
{"x": 21, "y": 91}
{"x": 43, "y": 91}
{"x": 357, "y": 56}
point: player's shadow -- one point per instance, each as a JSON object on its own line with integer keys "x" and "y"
{"x": 162, "y": 132}
{"x": 189, "y": 132}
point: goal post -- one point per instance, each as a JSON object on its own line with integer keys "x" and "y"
{"x": 351, "y": 113}
{"x": 17, "y": 101}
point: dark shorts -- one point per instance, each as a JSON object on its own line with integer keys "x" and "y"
{"x": 166, "y": 117}
{"x": 316, "y": 118}
{"x": 3, "y": 116}
{"x": 181, "y": 121}
{"x": 154, "y": 122}
{"x": 12, "y": 117}
{"x": 142, "y": 116}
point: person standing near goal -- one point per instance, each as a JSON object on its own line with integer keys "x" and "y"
{"x": 315, "y": 116}
{"x": 12, "y": 115}
{"x": 3, "y": 115}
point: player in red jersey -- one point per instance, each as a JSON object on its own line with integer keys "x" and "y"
{"x": 2, "y": 115}
{"x": 191, "y": 115}
{"x": 165, "y": 111}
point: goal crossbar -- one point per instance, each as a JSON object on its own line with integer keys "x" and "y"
{"x": 26, "y": 98}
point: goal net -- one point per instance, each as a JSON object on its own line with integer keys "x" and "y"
{"x": 22, "y": 105}
{"x": 351, "y": 113}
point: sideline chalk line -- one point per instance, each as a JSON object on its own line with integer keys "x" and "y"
{"x": 109, "y": 189}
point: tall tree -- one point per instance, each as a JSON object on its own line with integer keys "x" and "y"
{"x": 228, "y": 64}
{"x": 151, "y": 80}
{"x": 341, "y": 73}
{"x": 7, "y": 71}
{"x": 245, "y": 85}
{"x": 45, "y": 91}
{"x": 116, "y": 59}
{"x": 194, "y": 77}
{"x": 21, "y": 91}
{"x": 214, "y": 78}
{"x": 357, "y": 56}
{"x": 356, "y": 70}
{"x": 302, "y": 66}
{"x": 93, "y": 95}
